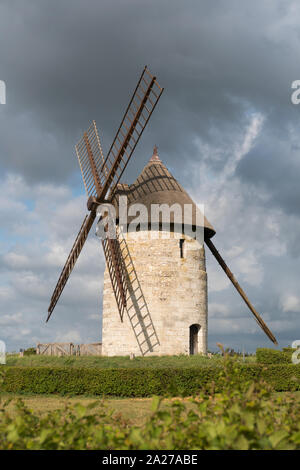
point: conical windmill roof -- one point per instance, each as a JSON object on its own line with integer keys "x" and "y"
{"x": 156, "y": 185}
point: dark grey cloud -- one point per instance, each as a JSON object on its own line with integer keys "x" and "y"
{"x": 67, "y": 63}
{"x": 221, "y": 63}
{"x": 274, "y": 165}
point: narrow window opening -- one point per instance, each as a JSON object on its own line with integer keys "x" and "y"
{"x": 181, "y": 246}
{"x": 194, "y": 330}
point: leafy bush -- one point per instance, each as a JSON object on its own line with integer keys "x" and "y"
{"x": 247, "y": 416}
{"x": 29, "y": 351}
{"x": 143, "y": 382}
{"x": 273, "y": 356}
{"x": 289, "y": 352}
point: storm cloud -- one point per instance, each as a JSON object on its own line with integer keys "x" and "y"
{"x": 225, "y": 127}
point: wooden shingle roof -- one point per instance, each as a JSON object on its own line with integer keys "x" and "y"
{"x": 156, "y": 185}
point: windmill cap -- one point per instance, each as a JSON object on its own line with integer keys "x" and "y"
{"x": 156, "y": 185}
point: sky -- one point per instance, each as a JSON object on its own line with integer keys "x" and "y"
{"x": 225, "y": 127}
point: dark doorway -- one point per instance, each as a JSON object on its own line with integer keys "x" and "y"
{"x": 194, "y": 330}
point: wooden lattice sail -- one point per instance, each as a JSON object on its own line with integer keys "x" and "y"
{"x": 101, "y": 176}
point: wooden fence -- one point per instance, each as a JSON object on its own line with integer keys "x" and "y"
{"x": 69, "y": 349}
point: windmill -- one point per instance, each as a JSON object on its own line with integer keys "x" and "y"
{"x": 101, "y": 177}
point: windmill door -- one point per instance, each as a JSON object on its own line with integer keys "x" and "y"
{"x": 194, "y": 330}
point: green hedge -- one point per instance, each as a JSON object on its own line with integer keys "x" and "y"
{"x": 273, "y": 356}
{"x": 249, "y": 419}
{"x": 30, "y": 352}
{"x": 143, "y": 382}
{"x": 252, "y": 419}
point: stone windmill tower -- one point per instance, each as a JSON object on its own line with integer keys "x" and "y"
{"x": 155, "y": 287}
{"x": 166, "y": 310}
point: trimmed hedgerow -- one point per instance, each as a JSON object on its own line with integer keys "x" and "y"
{"x": 247, "y": 416}
{"x": 143, "y": 382}
{"x": 273, "y": 356}
{"x": 289, "y": 352}
{"x": 30, "y": 352}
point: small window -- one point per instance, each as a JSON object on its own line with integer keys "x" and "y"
{"x": 181, "y": 246}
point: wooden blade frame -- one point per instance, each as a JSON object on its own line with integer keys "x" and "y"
{"x": 72, "y": 258}
{"x": 136, "y": 117}
{"x": 117, "y": 272}
{"x": 101, "y": 177}
{"x": 225, "y": 268}
{"x": 91, "y": 160}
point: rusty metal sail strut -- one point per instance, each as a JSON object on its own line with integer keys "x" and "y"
{"x": 230, "y": 275}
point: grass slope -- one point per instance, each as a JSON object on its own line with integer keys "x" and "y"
{"x": 134, "y": 410}
{"x": 117, "y": 361}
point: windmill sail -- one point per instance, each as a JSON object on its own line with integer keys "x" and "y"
{"x": 91, "y": 160}
{"x": 71, "y": 260}
{"x": 136, "y": 117}
{"x": 117, "y": 273}
{"x": 101, "y": 176}
{"x": 225, "y": 268}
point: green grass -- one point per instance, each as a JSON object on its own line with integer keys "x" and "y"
{"x": 118, "y": 361}
{"x": 133, "y": 410}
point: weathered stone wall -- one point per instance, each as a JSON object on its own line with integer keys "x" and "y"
{"x": 167, "y": 294}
